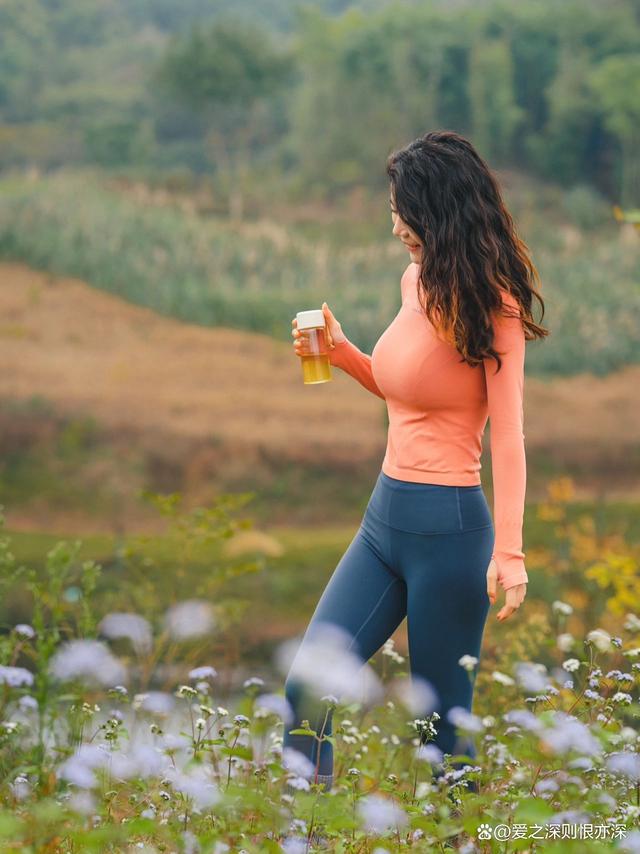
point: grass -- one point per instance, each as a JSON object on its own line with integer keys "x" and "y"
{"x": 184, "y": 760}
{"x": 255, "y": 276}
{"x": 287, "y": 585}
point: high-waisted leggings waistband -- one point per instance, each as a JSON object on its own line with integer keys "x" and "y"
{"x": 428, "y": 508}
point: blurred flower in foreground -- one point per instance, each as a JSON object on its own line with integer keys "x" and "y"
{"x": 524, "y": 719}
{"x": 631, "y": 842}
{"x": 88, "y": 660}
{"x": 155, "y": 702}
{"x": 196, "y": 783}
{"x": 276, "y": 704}
{"x": 568, "y": 733}
{"x": 531, "y": 677}
{"x": 24, "y": 630}
{"x": 325, "y": 662}
{"x": 82, "y": 802}
{"x": 379, "y": 814}
{"x": 465, "y": 720}
{"x": 189, "y": 619}
{"x": 626, "y": 764}
{"x": 429, "y": 753}
{"x": 600, "y": 639}
{"x": 14, "y": 677}
{"x": 297, "y": 763}
{"x": 415, "y": 693}
{"x": 125, "y": 625}
{"x": 204, "y": 672}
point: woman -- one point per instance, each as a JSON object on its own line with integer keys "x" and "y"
{"x": 452, "y": 358}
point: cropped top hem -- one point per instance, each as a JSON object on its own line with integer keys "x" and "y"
{"x": 425, "y": 476}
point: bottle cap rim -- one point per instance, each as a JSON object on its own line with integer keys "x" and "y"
{"x": 314, "y": 317}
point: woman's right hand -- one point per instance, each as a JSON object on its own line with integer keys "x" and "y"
{"x": 335, "y": 335}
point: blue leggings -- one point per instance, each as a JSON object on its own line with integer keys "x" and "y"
{"x": 422, "y": 551}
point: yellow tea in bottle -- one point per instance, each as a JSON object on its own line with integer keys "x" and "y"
{"x": 314, "y": 353}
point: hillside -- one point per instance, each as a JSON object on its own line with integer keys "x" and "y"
{"x": 210, "y": 408}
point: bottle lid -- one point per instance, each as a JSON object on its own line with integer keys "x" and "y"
{"x": 310, "y": 319}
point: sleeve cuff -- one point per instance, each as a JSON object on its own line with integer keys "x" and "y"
{"x": 511, "y": 571}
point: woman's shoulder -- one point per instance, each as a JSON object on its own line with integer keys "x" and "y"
{"x": 510, "y": 301}
{"x": 409, "y": 278}
{"x": 411, "y": 271}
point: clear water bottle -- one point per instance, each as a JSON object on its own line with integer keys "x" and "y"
{"x": 314, "y": 352}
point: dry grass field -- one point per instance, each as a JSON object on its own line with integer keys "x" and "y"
{"x": 221, "y": 405}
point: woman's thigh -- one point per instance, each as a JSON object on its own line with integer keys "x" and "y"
{"x": 364, "y": 597}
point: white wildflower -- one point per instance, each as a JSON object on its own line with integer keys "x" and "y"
{"x": 24, "y": 630}
{"x": 204, "y": 672}
{"x": 464, "y": 720}
{"x": 632, "y": 623}
{"x": 524, "y": 719}
{"x": 562, "y": 608}
{"x": 188, "y": 619}
{"x": 294, "y": 845}
{"x": 196, "y": 783}
{"x": 297, "y": 762}
{"x": 600, "y": 639}
{"x": 378, "y": 814}
{"x": 87, "y": 660}
{"x": 274, "y": 704}
{"x": 429, "y": 753}
{"x": 625, "y": 763}
{"x": 155, "y": 702}
{"x": 20, "y": 787}
{"x": 568, "y": 733}
{"x": 128, "y": 625}
{"x": 325, "y": 662}
{"x": 502, "y": 678}
{"x": 82, "y": 802}
{"x": 415, "y": 694}
{"x": 14, "y": 677}
{"x": 531, "y": 676}
{"x": 565, "y": 641}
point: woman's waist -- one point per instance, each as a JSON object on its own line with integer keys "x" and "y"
{"x": 428, "y": 508}
{"x": 423, "y": 473}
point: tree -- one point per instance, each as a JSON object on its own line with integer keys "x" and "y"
{"x": 616, "y": 84}
{"x": 230, "y": 71}
{"x": 495, "y": 114}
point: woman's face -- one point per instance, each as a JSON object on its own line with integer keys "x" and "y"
{"x": 402, "y": 231}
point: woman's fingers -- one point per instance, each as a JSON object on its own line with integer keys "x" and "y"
{"x": 492, "y": 581}
{"x": 515, "y": 597}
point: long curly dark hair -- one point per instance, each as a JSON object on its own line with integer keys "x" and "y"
{"x": 445, "y": 192}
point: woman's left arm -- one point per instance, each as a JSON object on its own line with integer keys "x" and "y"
{"x": 505, "y": 395}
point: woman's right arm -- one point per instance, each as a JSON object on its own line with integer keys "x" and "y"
{"x": 346, "y": 356}
{"x": 342, "y": 352}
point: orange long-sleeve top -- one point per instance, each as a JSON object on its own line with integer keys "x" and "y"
{"x": 438, "y": 408}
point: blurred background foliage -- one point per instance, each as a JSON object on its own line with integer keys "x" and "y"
{"x": 288, "y": 88}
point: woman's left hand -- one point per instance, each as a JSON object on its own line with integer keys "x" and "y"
{"x": 514, "y": 595}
